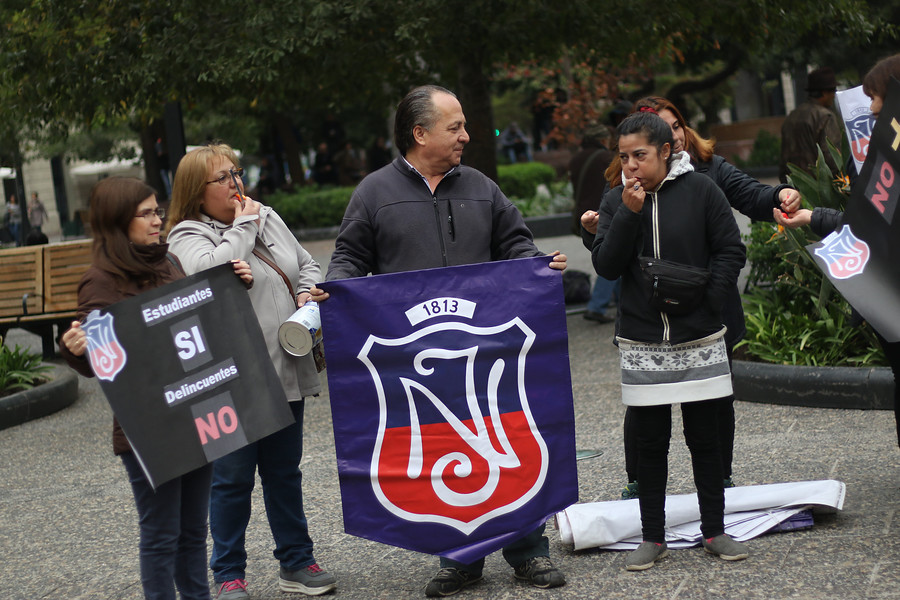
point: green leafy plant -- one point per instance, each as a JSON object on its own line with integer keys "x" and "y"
{"x": 793, "y": 313}
{"x": 311, "y": 206}
{"x": 20, "y": 369}
{"x": 552, "y": 199}
{"x": 522, "y": 179}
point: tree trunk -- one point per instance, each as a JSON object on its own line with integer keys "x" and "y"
{"x": 475, "y": 96}
{"x": 284, "y": 127}
{"x": 152, "y": 174}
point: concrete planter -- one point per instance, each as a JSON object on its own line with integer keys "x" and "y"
{"x": 60, "y": 392}
{"x": 550, "y": 225}
{"x": 820, "y": 387}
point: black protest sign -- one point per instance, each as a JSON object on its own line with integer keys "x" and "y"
{"x": 187, "y": 373}
{"x": 862, "y": 259}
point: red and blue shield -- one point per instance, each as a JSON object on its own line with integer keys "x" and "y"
{"x": 844, "y": 254}
{"x": 456, "y": 442}
{"x": 859, "y": 132}
{"x": 105, "y": 353}
{"x": 452, "y": 404}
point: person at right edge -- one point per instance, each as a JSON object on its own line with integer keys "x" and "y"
{"x": 824, "y": 220}
{"x": 671, "y": 347}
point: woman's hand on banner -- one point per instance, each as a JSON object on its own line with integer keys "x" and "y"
{"x": 242, "y": 270}
{"x": 75, "y": 339}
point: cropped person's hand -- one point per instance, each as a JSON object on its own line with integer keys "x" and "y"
{"x": 303, "y": 298}
{"x": 790, "y": 200}
{"x": 559, "y": 261}
{"x": 589, "y": 220}
{"x": 633, "y": 195}
{"x": 75, "y": 339}
{"x": 793, "y": 220}
{"x": 318, "y": 294}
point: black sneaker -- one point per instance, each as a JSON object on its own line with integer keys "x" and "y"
{"x": 448, "y": 581}
{"x": 312, "y": 580}
{"x": 597, "y": 317}
{"x": 540, "y": 573}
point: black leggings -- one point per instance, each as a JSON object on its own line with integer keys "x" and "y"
{"x": 654, "y": 430}
{"x": 724, "y": 426}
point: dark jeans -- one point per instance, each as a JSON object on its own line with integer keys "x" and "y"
{"x": 173, "y": 532}
{"x": 724, "y": 427}
{"x": 278, "y": 458}
{"x": 654, "y": 430}
{"x": 532, "y": 545}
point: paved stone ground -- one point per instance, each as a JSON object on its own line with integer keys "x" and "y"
{"x": 68, "y": 529}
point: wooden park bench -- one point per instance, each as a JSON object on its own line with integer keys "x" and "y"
{"x": 39, "y": 288}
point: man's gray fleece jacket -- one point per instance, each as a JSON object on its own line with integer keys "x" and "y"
{"x": 394, "y": 223}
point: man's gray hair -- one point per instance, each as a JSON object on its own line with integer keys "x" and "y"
{"x": 416, "y": 109}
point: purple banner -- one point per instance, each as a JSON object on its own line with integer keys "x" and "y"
{"x": 862, "y": 259}
{"x": 452, "y": 404}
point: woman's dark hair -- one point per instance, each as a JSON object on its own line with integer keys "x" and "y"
{"x": 700, "y": 148}
{"x": 114, "y": 203}
{"x": 416, "y": 109}
{"x": 875, "y": 83}
{"x": 649, "y": 124}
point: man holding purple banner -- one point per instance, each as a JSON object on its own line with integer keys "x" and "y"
{"x": 425, "y": 210}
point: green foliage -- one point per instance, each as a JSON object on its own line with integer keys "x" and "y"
{"x": 20, "y": 369}
{"x": 311, "y": 206}
{"x": 793, "y": 313}
{"x": 766, "y": 151}
{"x": 522, "y": 179}
{"x": 546, "y": 200}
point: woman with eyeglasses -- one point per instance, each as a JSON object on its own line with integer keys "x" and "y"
{"x": 212, "y": 222}
{"x": 129, "y": 259}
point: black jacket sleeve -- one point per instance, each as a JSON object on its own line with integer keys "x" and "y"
{"x": 727, "y": 252}
{"x": 617, "y": 233}
{"x": 825, "y": 220}
{"x": 745, "y": 194}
